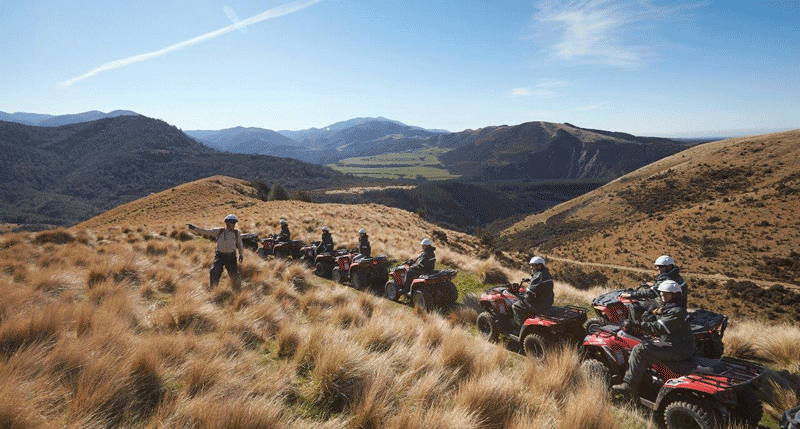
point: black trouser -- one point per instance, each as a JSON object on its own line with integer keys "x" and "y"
{"x": 643, "y": 356}
{"x": 411, "y": 274}
{"x": 227, "y": 260}
{"x": 522, "y": 309}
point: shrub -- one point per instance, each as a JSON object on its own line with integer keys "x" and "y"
{"x": 55, "y": 236}
{"x": 578, "y": 278}
{"x": 277, "y": 193}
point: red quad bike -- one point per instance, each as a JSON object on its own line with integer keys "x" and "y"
{"x": 427, "y": 291}
{"x": 694, "y": 393}
{"x": 708, "y": 327}
{"x": 326, "y": 261}
{"x": 281, "y": 249}
{"x": 362, "y": 272}
{"x": 554, "y": 326}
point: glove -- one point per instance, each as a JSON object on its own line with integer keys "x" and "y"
{"x": 190, "y": 226}
{"x": 529, "y": 296}
{"x": 631, "y": 327}
{"x": 241, "y": 257}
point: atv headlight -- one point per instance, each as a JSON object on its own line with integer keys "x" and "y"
{"x": 727, "y": 396}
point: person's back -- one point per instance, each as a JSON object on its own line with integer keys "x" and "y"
{"x": 326, "y": 243}
{"x": 364, "y": 247}
{"x": 284, "y": 235}
{"x": 541, "y": 286}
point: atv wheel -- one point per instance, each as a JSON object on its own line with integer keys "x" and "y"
{"x": 487, "y": 327}
{"x": 422, "y": 299}
{"x": 597, "y": 369}
{"x": 356, "y": 280}
{"x": 449, "y": 295}
{"x": 593, "y": 324}
{"x": 689, "y": 414}
{"x": 262, "y": 252}
{"x": 319, "y": 269}
{"x": 534, "y": 346}
{"x": 384, "y": 276}
{"x": 391, "y": 291}
{"x": 336, "y": 275}
{"x": 748, "y": 410}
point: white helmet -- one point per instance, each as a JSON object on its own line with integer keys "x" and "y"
{"x": 669, "y": 286}
{"x": 664, "y": 260}
{"x": 325, "y": 228}
{"x": 283, "y": 222}
{"x": 537, "y": 260}
{"x": 426, "y": 242}
{"x": 362, "y": 231}
{"x": 231, "y": 218}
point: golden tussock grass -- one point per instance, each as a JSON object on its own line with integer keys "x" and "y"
{"x": 288, "y": 350}
{"x": 778, "y": 345}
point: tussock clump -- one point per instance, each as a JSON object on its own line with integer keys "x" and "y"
{"x": 185, "y": 316}
{"x": 493, "y": 397}
{"x": 489, "y": 271}
{"x": 459, "y": 355}
{"x": 462, "y": 316}
{"x": 339, "y": 376}
{"x": 288, "y": 340}
{"x": 555, "y": 376}
{"x": 587, "y": 406}
{"x": 208, "y": 412}
{"x": 201, "y": 374}
{"x": 156, "y": 249}
{"x": 55, "y": 236}
{"x": 778, "y": 345}
{"x": 441, "y": 417}
{"x": 41, "y": 326}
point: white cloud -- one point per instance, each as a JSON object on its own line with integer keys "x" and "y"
{"x": 263, "y": 16}
{"x": 543, "y": 89}
{"x": 598, "y": 31}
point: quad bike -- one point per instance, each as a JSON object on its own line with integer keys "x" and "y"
{"x": 309, "y": 253}
{"x": 280, "y": 249}
{"x": 427, "y": 291}
{"x": 555, "y": 326}
{"x": 362, "y": 272}
{"x": 693, "y": 393}
{"x": 250, "y": 241}
{"x": 325, "y": 262}
{"x": 791, "y": 419}
{"x": 341, "y": 266}
{"x": 708, "y": 327}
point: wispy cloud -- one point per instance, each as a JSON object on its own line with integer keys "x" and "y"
{"x": 579, "y": 109}
{"x": 231, "y": 14}
{"x": 263, "y": 16}
{"x": 544, "y": 89}
{"x": 600, "y": 31}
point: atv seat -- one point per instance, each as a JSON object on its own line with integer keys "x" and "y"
{"x": 695, "y": 364}
{"x": 436, "y": 274}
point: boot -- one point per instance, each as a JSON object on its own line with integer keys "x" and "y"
{"x": 624, "y": 389}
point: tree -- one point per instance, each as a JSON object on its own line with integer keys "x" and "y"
{"x": 278, "y": 193}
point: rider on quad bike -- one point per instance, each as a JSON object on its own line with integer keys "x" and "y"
{"x": 363, "y": 243}
{"x": 326, "y": 244}
{"x": 647, "y": 298}
{"x": 424, "y": 264}
{"x": 539, "y": 295}
{"x": 284, "y": 235}
{"x": 670, "y": 321}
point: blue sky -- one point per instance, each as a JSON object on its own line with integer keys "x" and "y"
{"x": 644, "y": 67}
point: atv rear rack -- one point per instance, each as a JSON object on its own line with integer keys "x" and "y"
{"x": 564, "y": 314}
{"x": 737, "y": 373}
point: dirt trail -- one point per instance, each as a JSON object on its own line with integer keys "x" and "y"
{"x": 717, "y": 277}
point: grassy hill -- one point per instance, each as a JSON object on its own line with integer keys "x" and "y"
{"x": 66, "y": 174}
{"x": 109, "y": 324}
{"x": 724, "y": 210}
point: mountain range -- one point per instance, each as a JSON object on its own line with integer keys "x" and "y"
{"x": 44, "y": 120}
{"x": 61, "y": 175}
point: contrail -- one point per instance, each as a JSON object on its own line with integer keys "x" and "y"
{"x": 263, "y": 16}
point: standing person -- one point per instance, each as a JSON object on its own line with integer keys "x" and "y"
{"x": 538, "y": 296}
{"x": 284, "y": 235}
{"x": 363, "y": 243}
{"x": 424, "y": 264}
{"x": 228, "y": 240}
{"x": 326, "y": 245}
{"x": 666, "y": 271}
{"x": 670, "y": 322}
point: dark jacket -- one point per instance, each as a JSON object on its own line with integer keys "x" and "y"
{"x": 540, "y": 290}
{"x": 284, "y": 235}
{"x": 652, "y": 293}
{"x": 426, "y": 261}
{"x": 363, "y": 246}
{"x": 326, "y": 245}
{"x": 670, "y": 322}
